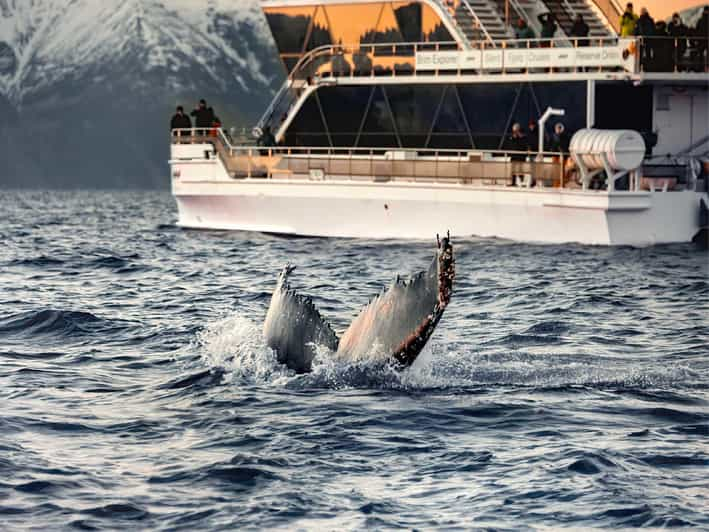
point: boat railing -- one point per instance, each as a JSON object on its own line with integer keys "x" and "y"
{"x": 673, "y": 54}
{"x": 549, "y": 56}
{"x": 390, "y": 164}
{"x": 276, "y": 103}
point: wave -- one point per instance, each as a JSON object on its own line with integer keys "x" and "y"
{"x": 110, "y": 261}
{"x": 43, "y": 261}
{"x": 51, "y": 322}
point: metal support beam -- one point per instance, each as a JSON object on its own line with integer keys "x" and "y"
{"x": 590, "y": 103}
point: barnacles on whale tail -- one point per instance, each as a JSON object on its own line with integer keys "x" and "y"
{"x": 397, "y": 323}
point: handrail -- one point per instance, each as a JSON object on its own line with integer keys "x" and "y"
{"x": 320, "y": 50}
{"x": 268, "y": 114}
{"x": 193, "y": 133}
{"x": 378, "y": 165}
{"x": 478, "y": 22}
{"x": 570, "y": 9}
{"x": 448, "y": 8}
{"x": 670, "y": 54}
{"x": 532, "y": 22}
{"x": 396, "y": 59}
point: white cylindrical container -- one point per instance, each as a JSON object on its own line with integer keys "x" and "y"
{"x": 624, "y": 149}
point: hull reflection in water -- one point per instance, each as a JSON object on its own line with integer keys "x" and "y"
{"x": 395, "y": 325}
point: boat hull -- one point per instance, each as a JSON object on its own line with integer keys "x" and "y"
{"x": 415, "y": 211}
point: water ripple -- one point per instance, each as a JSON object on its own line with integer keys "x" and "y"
{"x": 566, "y": 387}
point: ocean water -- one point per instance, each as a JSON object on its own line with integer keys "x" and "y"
{"x": 566, "y": 386}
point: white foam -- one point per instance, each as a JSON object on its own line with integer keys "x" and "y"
{"x": 235, "y": 344}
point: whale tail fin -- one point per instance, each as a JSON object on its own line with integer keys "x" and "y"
{"x": 294, "y": 328}
{"x": 395, "y": 325}
{"x": 399, "y": 322}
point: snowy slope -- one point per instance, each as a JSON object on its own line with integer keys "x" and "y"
{"x": 42, "y": 41}
{"x": 84, "y": 82}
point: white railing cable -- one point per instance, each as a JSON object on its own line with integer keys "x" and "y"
{"x": 275, "y": 102}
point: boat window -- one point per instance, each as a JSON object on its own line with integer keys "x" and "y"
{"x": 425, "y": 116}
{"x": 289, "y": 26}
{"x": 320, "y": 31}
{"x": 298, "y": 30}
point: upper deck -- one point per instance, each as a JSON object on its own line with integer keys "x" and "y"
{"x": 443, "y": 38}
{"x": 411, "y": 73}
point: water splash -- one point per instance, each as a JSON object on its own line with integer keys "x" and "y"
{"x": 235, "y": 344}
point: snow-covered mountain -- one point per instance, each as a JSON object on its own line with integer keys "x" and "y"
{"x": 82, "y": 79}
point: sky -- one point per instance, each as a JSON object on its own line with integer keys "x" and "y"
{"x": 663, "y": 8}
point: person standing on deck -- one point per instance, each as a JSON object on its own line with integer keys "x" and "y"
{"x": 180, "y": 121}
{"x": 679, "y": 32}
{"x": 560, "y": 141}
{"x": 517, "y": 143}
{"x": 204, "y": 117}
{"x": 645, "y": 28}
{"x": 523, "y": 32}
{"x": 580, "y": 30}
{"x": 663, "y": 48}
{"x": 628, "y": 21}
{"x": 549, "y": 27}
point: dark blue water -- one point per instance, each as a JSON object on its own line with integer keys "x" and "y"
{"x": 566, "y": 386}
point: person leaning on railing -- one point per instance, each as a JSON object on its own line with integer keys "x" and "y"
{"x": 180, "y": 121}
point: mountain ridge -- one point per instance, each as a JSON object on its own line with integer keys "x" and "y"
{"x": 83, "y": 82}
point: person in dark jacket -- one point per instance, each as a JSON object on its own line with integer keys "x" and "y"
{"x": 679, "y": 33}
{"x": 663, "y": 48}
{"x": 180, "y": 121}
{"x": 517, "y": 142}
{"x": 204, "y": 116}
{"x": 560, "y": 141}
{"x": 702, "y": 27}
{"x": 580, "y": 30}
{"x": 533, "y": 137}
{"x": 267, "y": 140}
{"x": 549, "y": 27}
{"x": 646, "y": 24}
{"x": 645, "y": 27}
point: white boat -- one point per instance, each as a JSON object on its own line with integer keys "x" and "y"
{"x": 404, "y": 131}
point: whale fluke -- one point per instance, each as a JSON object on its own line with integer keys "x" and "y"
{"x": 395, "y": 325}
{"x": 294, "y": 327}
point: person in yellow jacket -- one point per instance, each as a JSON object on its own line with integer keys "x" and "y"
{"x": 628, "y": 21}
